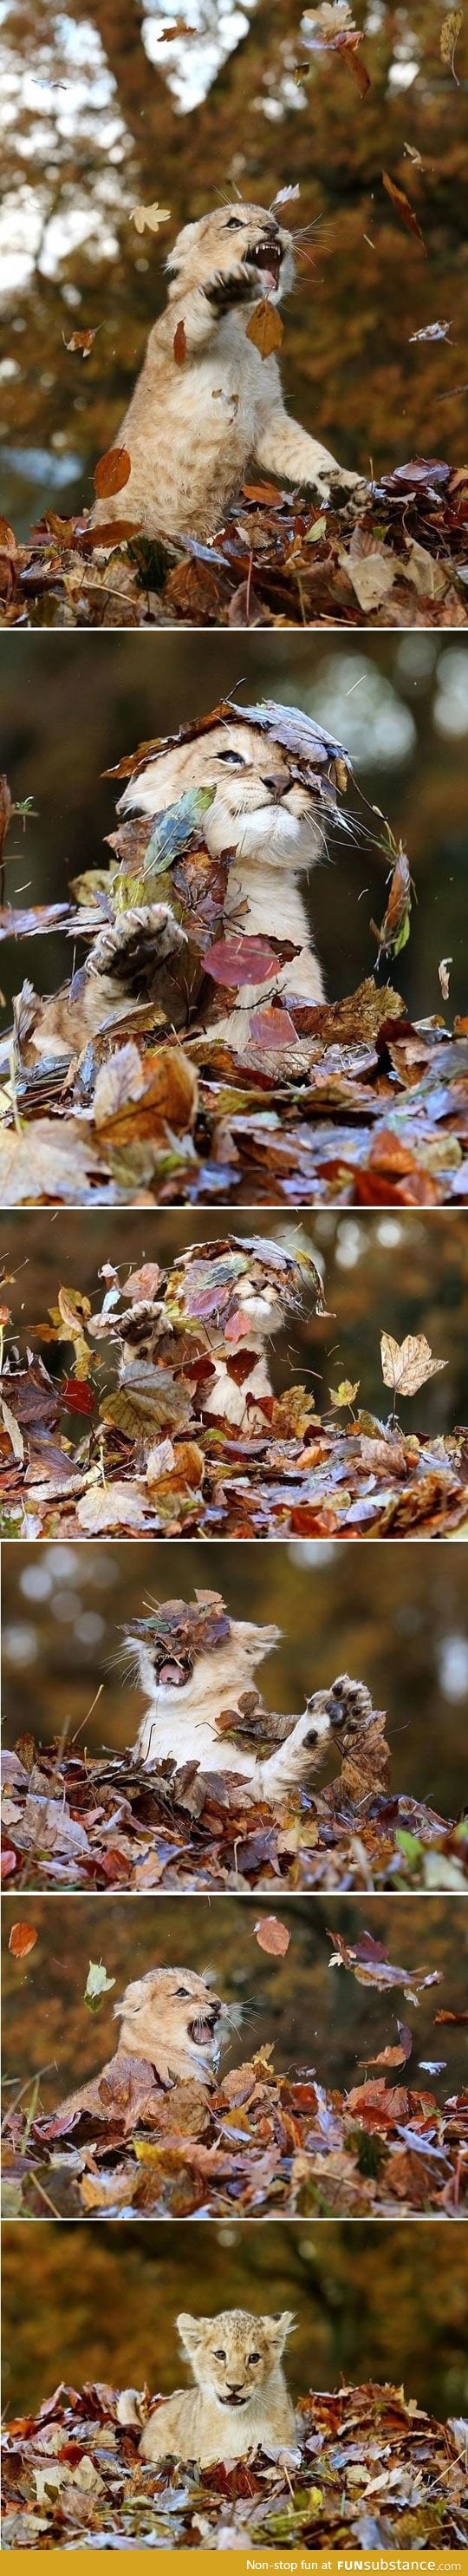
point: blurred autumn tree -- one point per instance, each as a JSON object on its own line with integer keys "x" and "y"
{"x": 101, "y": 112}
{"x": 316, "y": 2016}
{"x": 387, "y": 2302}
{"x": 399, "y": 704}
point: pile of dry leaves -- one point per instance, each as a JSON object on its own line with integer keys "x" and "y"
{"x": 328, "y": 1104}
{"x": 70, "y": 1820}
{"x": 258, "y": 2143}
{"x": 374, "y": 2473}
{"x": 152, "y": 1458}
{"x": 395, "y": 557}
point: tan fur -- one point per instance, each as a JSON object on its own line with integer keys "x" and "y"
{"x": 149, "y": 1328}
{"x": 182, "y": 1717}
{"x": 273, "y": 827}
{"x": 169, "y": 2019}
{"x": 192, "y": 428}
{"x": 240, "y": 2400}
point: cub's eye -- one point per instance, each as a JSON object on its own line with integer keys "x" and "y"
{"x": 182, "y": 1994}
{"x": 233, "y": 759}
{"x": 234, "y": 224}
{"x": 255, "y": 2356}
{"x": 219, "y": 2356}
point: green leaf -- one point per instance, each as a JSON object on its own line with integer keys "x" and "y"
{"x": 173, "y": 830}
{"x": 97, "y": 1985}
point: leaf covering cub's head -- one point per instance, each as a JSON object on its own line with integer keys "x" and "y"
{"x": 233, "y": 2355}
{"x": 271, "y": 798}
{"x": 244, "y": 237}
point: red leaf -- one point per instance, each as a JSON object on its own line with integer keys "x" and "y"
{"x": 22, "y": 1939}
{"x": 8, "y": 1863}
{"x": 78, "y": 1396}
{"x": 112, "y": 472}
{"x": 180, "y": 344}
{"x": 272, "y": 1936}
{"x": 241, "y": 961}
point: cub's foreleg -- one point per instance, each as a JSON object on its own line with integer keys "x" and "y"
{"x": 284, "y": 448}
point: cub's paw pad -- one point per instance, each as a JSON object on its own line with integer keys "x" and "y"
{"x": 350, "y": 1705}
{"x": 224, "y": 292}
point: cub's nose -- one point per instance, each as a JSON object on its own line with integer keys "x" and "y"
{"x": 235, "y": 2388}
{"x": 276, "y": 783}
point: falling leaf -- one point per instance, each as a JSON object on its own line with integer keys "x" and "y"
{"x": 272, "y": 1936}
{"x": 180, "y": 344}
{"x": 450, "y": 2016}
{"x": 408, "y": 1365}
{"x": 265, "y": 327}
{"x": 112, "y": 472}
{"x": 97, "y": 1985}
{"x": 395, "y": 928}
{"x": 403, "y": 208}
{"x": 284, "y": 196}
{"x": 449, "y": 34}
{"x": 178, "y": 27}
{"x": 22, "y": 1939}
{"x": 397, "y": 2056}
{"x": 345, "y": 1393}
{"x": 433, "y": 331}
{"x": 444, "y": 976}
{"x": 149, "y": 218}
{"x": 81, "y": 342}
{"x": 367, "y": 1962}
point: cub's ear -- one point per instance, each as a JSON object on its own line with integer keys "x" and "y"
{"x": 190, "y": 2330}
{"x": 278, "y": 2328}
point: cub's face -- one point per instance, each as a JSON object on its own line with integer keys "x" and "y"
{"x": 174, "y": 1682}
{"x": 258, "y": 810}
{"x": 175, "y": 2003}
{"x": 242, "y": 237}
{"x": 233, "y": 2355}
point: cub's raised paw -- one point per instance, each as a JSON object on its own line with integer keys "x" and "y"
{"x": 236, "y": 287}
{"x": 136, "y": 942}
{"x": 350, "y": 1705}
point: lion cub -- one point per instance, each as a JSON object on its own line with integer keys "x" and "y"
{"x": 240, "y": 2401}
{"x": 206, "y": 403}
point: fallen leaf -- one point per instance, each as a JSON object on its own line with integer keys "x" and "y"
{"x": 272, "y": 1936}
{"x": 408, "y": 1365}
{"x": 112, "y": 472}
{"x": 22, "y": 1940}
{"x": 265, "y": 327}
{"x": 402, "y": 206}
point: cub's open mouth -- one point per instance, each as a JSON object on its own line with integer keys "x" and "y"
{"x": 174, "y": 1674}
{"x": 266, "y": 256}
{"x": 230, "y": 2400}
{"x": 201, "y": 2028}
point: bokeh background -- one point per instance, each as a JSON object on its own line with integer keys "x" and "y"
{"x": 399, "y": 704}
{"x": 100, "y": 112}
{"x": 315, "y": 2016}
{"x": 394, "y": 1617}
{"x": 381, "y": 1272}
{"x": 372, "y": 2301}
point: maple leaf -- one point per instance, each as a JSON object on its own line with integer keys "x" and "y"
{"x": 408, "y": 1365}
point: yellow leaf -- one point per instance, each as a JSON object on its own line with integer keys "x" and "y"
{"x": 149, "y": 218}
{"x": 449, "y": 34}
{"x": 407, "y": 1365}
{"x": 265, "y": 328}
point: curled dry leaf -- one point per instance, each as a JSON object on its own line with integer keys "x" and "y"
{"x": 149, "y": 218}
{"x": 265, "y": 328}
{"x": 180, "y": 344}
{"x": 403, "y": 208}
{"x": 444, "y": 976}
{"x": 408, "y": 1365}
{"x": 22, "y": 1939}
{"x": 112, "y": 471}
{"x": 367, "y": 1962}
{"x": 449, "y": 34}
{"x": 272, "y": 1936}
{"x": 395, "y": 927}
{"x": 433, "y": 331}
{"x": 97, "y": 1985}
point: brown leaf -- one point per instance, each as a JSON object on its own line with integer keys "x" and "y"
{"x": 143, "y": 1284}
{"x": 397, "y": 2056}
{"x": 22, "y": 1939}
{"x": 408, "y": 1365}
{"x": 81, "y": 342}
{"x": 449, "y": 34}
{"x": 394, "y": 931}
{"x": 180, "y": 344}
{"x": 265, "y": 327}
{"x": 272, "y": 1936}
{"x": 242, "y": 961}
{"x": 112, "y": 471}
{"x": 402, "y": 207}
